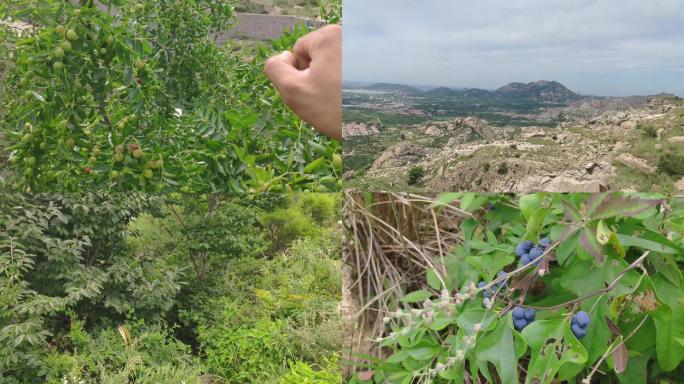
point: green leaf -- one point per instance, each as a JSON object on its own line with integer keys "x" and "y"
{"x": 567, "y": 248}
{"x": 536, "y": 222}
{"x": 603, "y": 233}
{"x": 445, "y": 199}
{"x": 529, "y": 204}
{"x": 666, "y": 266}
{"x": 489, "y": 265}
{"x": 553, "y": 347}
{"x": 498, "y": 348}
{"x": 638, "y": 236}
{"x": 433, "y": 280}
{"x": 416, "y": 296}
{"x": 589, "y": 248}
{"x": 669, "y": 321}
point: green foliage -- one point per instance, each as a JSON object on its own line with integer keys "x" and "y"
{"x": 672, "y": 164}
{"x": 278, "y": 312}
{"x": 259, "y": 352}
{"x": 414, "y": 175}
{"x": 649, "y": 131}
{"x": 303, "y": 373}
{"x": 616, "y": 256}
{"x": 284, "y": 226}
{"x": 140, "y": 97}
{"x": 151, "y": 355}
{"x": 322, "y": 208}
{"x": 114, "y": 288}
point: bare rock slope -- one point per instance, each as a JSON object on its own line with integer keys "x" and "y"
{"x": 580, "y": 155}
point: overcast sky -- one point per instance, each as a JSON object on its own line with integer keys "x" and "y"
{"x": 599, "y": 47}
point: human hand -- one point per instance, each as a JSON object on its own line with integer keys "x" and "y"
{"x": 309, "y": 79}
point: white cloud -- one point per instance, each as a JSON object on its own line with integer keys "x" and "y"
{"x": 631, "y": 45}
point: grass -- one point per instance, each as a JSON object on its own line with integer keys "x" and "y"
{"x": 541, "y": 141}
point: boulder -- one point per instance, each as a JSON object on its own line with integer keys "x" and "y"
{"x": 634, "y": 162}
{"x": 679, "y": 186}
{"x": 629, "y": 124}
{"x": 676, "y": 139}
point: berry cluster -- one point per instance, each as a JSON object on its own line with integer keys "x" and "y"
{"x": 529, "y": 252}
{"x": 523, "y": 317}
{"x": 580, "y": 321}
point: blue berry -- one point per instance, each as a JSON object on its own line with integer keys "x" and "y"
{"x": 519, "y": 324}
{"x": 518, "y": 313}
{"x": 481, "y": 284}
{"x": 530, "y": 314}
{"x": 581, "y": 318}
{"x": 535, "y": 253}
{"x": 523, "y": 248}
{"x": 525, "y": 260}
{"x": 545, "y": 242}
{"x": 578, "y": 331}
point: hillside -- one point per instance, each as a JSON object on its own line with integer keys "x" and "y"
{"x": 597, "y": 146}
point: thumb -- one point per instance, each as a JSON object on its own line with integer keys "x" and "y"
{"x": 282, "y": 69}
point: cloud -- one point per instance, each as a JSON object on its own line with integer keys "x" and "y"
{"x": 634, "y": 47}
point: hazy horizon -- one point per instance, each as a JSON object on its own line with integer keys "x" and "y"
{"x": 608, "y": 48}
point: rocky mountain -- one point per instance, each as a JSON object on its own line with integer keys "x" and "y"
{"x": 543, "y": 90}
{"x": 550, "y": 92}
{"x": 611, "y": 150}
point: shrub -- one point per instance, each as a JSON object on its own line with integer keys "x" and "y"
{"x": 414, "y": 175}
{"x": 672, "y": 164}
{"x": 502, "y": 169}
{"x": 321, "y": 207}
{"x": 287, "y": 225}
{"x": 257, "y": 354}
{"x": 148, "y": 353}
{"x": 649, "y": 131}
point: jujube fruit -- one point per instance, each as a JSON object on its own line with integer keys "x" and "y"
{"x": 58, "y": 53}
{"x": 71, "y": 35}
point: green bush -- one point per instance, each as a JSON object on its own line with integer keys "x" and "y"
{"x": 649, "y": 131}
{"x": 258, "y": 353}
{"x": 414, "y": 175}
{"x": 114, "y": 355}
{"x": 287, "y": 225}
{"x": 320, "y": 207}
{"x": 672, "y": 164}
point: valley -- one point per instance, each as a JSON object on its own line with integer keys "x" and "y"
{"x": 539, "y": 136}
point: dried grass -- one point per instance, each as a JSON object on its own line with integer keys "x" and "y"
{"x": 391, "y": 239}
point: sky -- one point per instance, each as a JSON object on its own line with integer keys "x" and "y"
{"x": 594, "y": 47}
